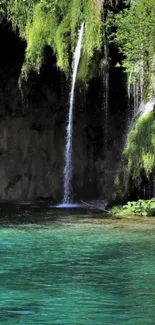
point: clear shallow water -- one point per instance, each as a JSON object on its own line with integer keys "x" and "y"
{"x": 71, "y": 271}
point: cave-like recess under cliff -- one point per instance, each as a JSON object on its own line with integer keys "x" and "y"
{"x": 32, "y": 128}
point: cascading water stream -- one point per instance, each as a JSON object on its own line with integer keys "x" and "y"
{"x": 106, "y": 91}
{"x": 136, "y": 106}
{"x": 105, "y": 100}
{"x": 135, "y": 89}
{"x": 135, "y": 95}
{"x": 68, "y": 149}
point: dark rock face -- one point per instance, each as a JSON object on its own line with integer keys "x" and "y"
{"x": 32, "y": 132}
{"x": 31, "y": 144}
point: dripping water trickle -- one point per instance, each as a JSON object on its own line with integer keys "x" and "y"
{"x": 105, "y": 100}
{"x": 68, "y": 150}
{"x": 106, "y": 92}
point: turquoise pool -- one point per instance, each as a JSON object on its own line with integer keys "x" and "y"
{"x": 76, "y": 270}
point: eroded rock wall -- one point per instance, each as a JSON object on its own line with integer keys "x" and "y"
{"x": 33, "y": 131}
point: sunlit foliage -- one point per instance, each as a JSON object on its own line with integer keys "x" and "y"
{"x": 55, "y": 23}
{"x": 138, "y": 155}
{"x": 135, "y": 34}
{"x": 135, "y": 208}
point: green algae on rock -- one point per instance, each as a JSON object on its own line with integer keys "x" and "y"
{"x": 138, "y": 158}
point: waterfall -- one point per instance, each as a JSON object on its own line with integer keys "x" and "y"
{"x": 106, "y": 91}
{"x": 135, "y": 89}
{"x": 105, "y": 100}
{"x": 137, "y": 108}
{"x": 68, "y": 149}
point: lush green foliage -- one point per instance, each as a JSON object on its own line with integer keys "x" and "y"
{"x": 2, "y": 10}
{"x": 138, "y": 155}
{"x": 140, "y": 208}
{"x": 135, "y": 35}
{"x": 55, "y": 23}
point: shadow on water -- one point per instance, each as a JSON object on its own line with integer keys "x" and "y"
{"x": 14, "y": 213}
{"x": 12, "y": 312}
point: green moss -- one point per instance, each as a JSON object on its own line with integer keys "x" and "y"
{"x": 83, "y": 68}
{"x": 89, "y": 70}
{"x": 147, "y": 86}
{"x": 38, "y": 34}
{"x": 75, "y": 16}
{"x": 61, "y": 46}
{"x": 93, "y": 32}
{"x": 138, "y": 156}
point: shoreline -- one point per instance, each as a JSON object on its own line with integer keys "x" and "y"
{"x": 40, "y": 215}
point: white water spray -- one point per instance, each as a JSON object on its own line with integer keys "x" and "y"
{"x": 135, "y": 89}
{"x": 68, "y": 150}
{"x": 146, "y": 108}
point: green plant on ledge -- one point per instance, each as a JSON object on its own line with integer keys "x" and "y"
{"x": 139, "y": 208}
{"x": 138, "y": 158}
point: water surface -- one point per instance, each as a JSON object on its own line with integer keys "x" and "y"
{"x": 76, "y": 270}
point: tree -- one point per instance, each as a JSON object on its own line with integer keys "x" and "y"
{"x": 135, "y": 36}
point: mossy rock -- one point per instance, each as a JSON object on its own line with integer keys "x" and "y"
{"x": 138, "y": 158}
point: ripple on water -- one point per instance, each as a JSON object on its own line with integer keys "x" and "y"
{"x": 81, "y": 273}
